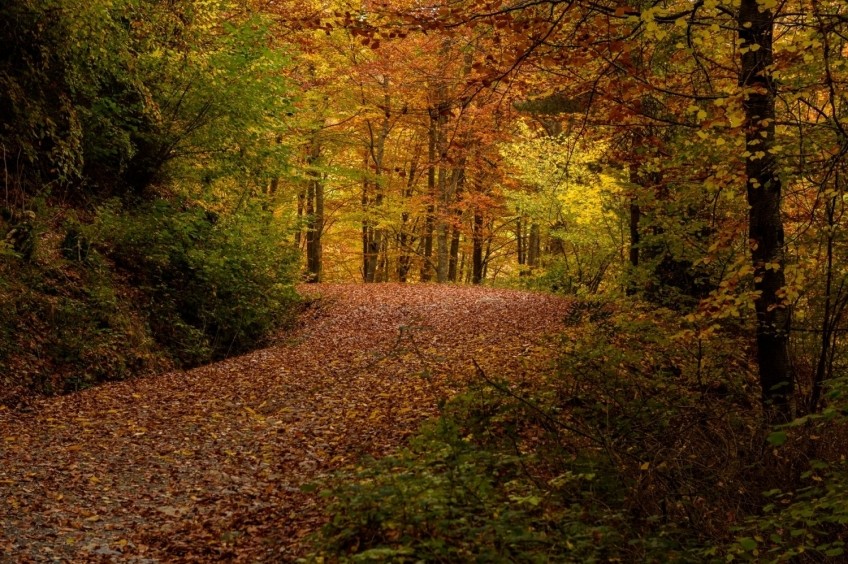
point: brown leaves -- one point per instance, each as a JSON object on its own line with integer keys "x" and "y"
{"x": 210, "y": 464}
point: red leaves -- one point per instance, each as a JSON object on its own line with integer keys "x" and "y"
{"x": 209, "y": 464}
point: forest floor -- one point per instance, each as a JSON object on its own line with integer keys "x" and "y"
{"x": 210, "y": 464}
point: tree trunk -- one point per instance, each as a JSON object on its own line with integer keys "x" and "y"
{"x": 368, "y": 258}
{"x": 477, "y": 248}
{"x": 429, "y": 220}
{"x": 765, "y": 223}
{"x": 454, "y": 255}
{"x": 533, "y": 246}
{"x": 405, "y": 240}
{"x": 519, "y": 238}
{"x": 298, "y": 235}
{"x": 635, "y": 216}
{"x": 314, "y": 215}
{"x": 373, "y": 237}
{"x": 444, "y": 197}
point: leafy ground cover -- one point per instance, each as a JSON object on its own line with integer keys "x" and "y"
{"x": 216, "y": 463}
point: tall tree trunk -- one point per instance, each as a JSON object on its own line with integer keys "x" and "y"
{"x": 460, "y": 273}
{"x": 477, "y": 248}
{"x": 429, "y": 220}
{"x": 373, "y": 237}
{"x": 404, "y": 238}
{"x": 533, "y": 246}
{"x": 314, "y": 214}
{"x": 457, "y": 187}
{"x": 367, "y": 262}
{"x": 301, "y": 200}
{"x": 829, "y": 321}
{"x": 765, "y": 224}
{"x": 454, "y": 255}
{"x": 444, "y": 196}
{"x": 635, "y": 216}
{"x": 378, "y": 150}
{"x": 519, "y": 238}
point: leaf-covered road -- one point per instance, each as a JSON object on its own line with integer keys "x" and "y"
{"x": 208, "y": 464}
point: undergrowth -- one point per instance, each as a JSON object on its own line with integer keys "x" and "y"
{"x": 127, "y": 291}
{"x": 644, "y": 445}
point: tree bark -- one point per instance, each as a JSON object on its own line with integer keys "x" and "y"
{"x": 373, "y": 237}
{"x": 635, "y": 216}
{"x": 404, "y": 238}
{"x": 533, "y": 246}
{"x": 519, "y": 238}
{"x": 314, "y": 215}
{"x": 477, "y": 248}
{"x": 454, "y": 255}
{"x": 444, "y": 197}
{"x": 774, "y": 315}
{"x": 429, "y": 220}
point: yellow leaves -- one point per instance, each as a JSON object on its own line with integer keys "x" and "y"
{"x": 254, "y": 415}
{"x": 736, "y": 117}
{"x": 699, "y": 112}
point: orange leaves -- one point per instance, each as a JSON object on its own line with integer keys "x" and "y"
{"x": 209, "y": 465}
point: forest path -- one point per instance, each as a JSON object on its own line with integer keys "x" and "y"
{"x": 207, "y": 465}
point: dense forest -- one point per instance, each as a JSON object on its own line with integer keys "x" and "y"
{"x": 175, "y": 170}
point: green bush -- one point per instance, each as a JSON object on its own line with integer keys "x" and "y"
{"x": 574, "y": 279}
{"x": 214, "y": 285}
{"x": 445, "y": 499}
{"x": 634, "y": 450}
{"x": 64, "y": 327}
{"x": 806, "y": 519}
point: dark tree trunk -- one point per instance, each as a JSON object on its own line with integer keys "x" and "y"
{"x": 829, "y": 322}
{"x": 454, "y": 255}
{"x": 404, "y": 238}
{"x": 635, "y": 214}
{"x": 429, "y": 220}
{"x": 458, "y": 186}
{"x": 533, "y": 246}
{"x": 477, "y": 248}
{"x": 301, "y": 201}
{"x": 765, "y": 223}
{"x": 519, "y": 238}
{"x": 373, "y": 237}
{"x": 444, "y": 200}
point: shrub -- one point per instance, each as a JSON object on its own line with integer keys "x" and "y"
{"x": 214, "y": 286}
{"x": 804, "y": 519}
{"x": 63, "y": 325}
{"x": 445, "y": 499}
{"x": 635, "y": 449}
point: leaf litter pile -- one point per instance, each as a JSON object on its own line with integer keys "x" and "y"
{"x": 210, "y": 464}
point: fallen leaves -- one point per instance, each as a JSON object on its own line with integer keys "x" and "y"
{"x": 212, "y": 464}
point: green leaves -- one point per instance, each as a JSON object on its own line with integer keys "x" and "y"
{"x": 747, "y": 543}
{"x": 216, "y": 285}
{"x": 777, "y": 438}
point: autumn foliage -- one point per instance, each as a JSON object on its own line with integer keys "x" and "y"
{"x": 675, "y": 171}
